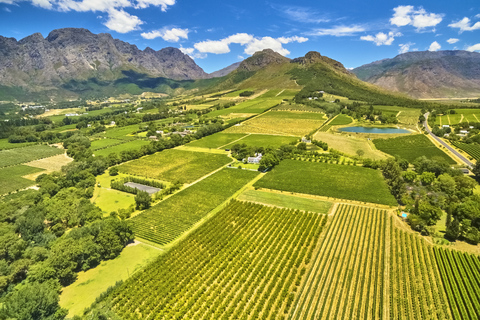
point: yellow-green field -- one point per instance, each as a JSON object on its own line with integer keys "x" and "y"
{"x": 350, "y": 145}
{"x": 51, "y": 164}
{"x": 90, "y": 284}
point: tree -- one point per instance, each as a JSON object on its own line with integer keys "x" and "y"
{"x": 409, "y": 176}
{"x": 113, "y": 171}
{"x": 143, "y": 200}
{"x": 427, "y": 178}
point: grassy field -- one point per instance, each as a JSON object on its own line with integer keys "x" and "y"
{"x": 411, "y": 147}
{"x": 21, "y": 155}
{"x": 340, "y": 120}
{"x": 11, "y": 178}
{"x": 103, "y": 143}
{"x": 4, "y": 144}
{"x": 329, "y": 180}
{"x": 130, "y": 145}
{"x": 292, "y": 123}
{"x": 265, "y": 140}
{"x": 51, "y": 164}
{"x": 123, "y": 133}
{"x": 250, "y": 106}
{"x": 461, "y": 115}
{"x": 216, "y": 140}
{"x": 407, "y": 116}
{"x": 246, "y": 263}
{"x": 175, "y": 165}
{"x": 349, "y": 145}
{"x": 89, "y": 285}
{"x": 170, "y": 218}
{"x": 286, "y": 201}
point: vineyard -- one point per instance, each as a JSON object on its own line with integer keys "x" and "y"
{"x": 170, "y": 218}
{"x": 11, "y": 178}
{"x": 265, "y": 140}
{"x": 472, "y": 149}
{"x": 460, "y": 273}
{"x": 216, "y": 140}
{"x": 21, "y": 155}
{"x": 118, "y": 148}
{"x": 250, "y": 270}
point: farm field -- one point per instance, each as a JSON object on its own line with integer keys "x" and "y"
{"x": 90, "y": 284}
{"x": 11, "y": 178}
{"x": 340, "y": 120}
{"x": 281, "y": 122}
{"x": 54, "y": 163}
{"x": 461, "y": 115}
{"x": 473, "y": 150}
{"x": 249, "y": 270}
{"x": 411, "y": 147}
{"x": 104, "y": 143}
{"x": 21, "y": 155}
{"x": 407, "y": 116}
{"x": 167, "y": 220}
{"x": 285, "y": 201}
{"x": 127, "y": 146}
{"x": 123, "y": 133}
{"x": 4, "y": 144}
{"x": 175, "y": 165}
{"x": 264, "y": 140}
{"x": 250, "y": 106}
{"x": 349, "y": 145}
{"x": 329, "y": 180}
{"x": 297, "y": 107}
{"x": 216, "y": 140}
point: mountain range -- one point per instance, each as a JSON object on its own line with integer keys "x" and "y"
{"x": 425, "y": 74}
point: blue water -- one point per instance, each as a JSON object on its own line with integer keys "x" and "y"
{"x": 373, "y": 130}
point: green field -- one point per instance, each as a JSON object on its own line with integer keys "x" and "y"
{"x": 340, "y": 120}
{"x": 104, "y": 143}
{"x": 250, "y": 106}
{"x": 170, "y": 218}
{"x": 473, "y": 150}
{"x": 411, "y": 147}
{"x": 21, "y": 155}
{"x": 329, "y": 180}
{"x": 11, "y": 178}
{"x": 4, "y": 144}
{"x": 124, "y": 133}
{"x": 90, "y": 284}
{"x": 461, "y": 115}
{"x": 175, "y": 165}
{"x": 216, "y": 140}
{"x": 286, "y": 201}
{"x": 127, "y": 146}
{"x": 349, "y": 145}
{"x": 245, "y": 263}
{"x": 265, "y": 140}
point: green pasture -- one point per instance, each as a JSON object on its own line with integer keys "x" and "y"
{"x": 11, "y": 178}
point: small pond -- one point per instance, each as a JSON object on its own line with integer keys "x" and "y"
{"x": 373, "y": 130}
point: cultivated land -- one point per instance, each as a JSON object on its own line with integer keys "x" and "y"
{"x": 265, "y": 140}
{"x": 350, "y": 145}
{"x": 51, "y": 164}
{"x": 461, "y": 115}
{"x": 329, "y": 180}
{"x": 11, "y": 178}
{"x": 286, "y": 201}
{"x": 411, "y": 147}
{"x": 90, "y": 284}
{"x": 175, "y": 165}
{"x": 291, "y": 123}
{"x": 249, "y": 106}
{"x": 127, "y": 146}
{"x": 4, "y": 144}
{"x": 249, "y": 270}
{"x": 22, "y": 155}
{"x": 104, "y": 143}
{"x": 216, "y": 140}
{"x": 473, "y": 150}
{"x": 167, "y": 220}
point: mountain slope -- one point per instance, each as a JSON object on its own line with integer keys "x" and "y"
{"x": 427, "y": 74}
{"x": 225, "y": 71}
{"x": 65, "y": 55}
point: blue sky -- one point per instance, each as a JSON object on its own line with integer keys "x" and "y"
{"x": 219, "y": 33}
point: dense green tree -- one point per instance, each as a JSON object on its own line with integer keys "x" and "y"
{"x": 143, "y": 200}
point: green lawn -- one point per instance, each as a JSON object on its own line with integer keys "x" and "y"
{"x": 89, "y": 285}
{"x": 330, "y": 180}
{"x": 285, "y": 201}
{"x": 411, "y": 147}
{"x": 216, "y": 140}
{"x": 21, "y": 155}
{"x": 130, "y": 145}
{"x": 170, "y": 218}
{"x": 11, "y": 178}
{"x": 265, "y": 140}
{"x": 175, "y": 165}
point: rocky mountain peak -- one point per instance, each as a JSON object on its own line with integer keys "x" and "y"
{"x": 262, "y": 59}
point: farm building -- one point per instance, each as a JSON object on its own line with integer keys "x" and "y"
{"x": 446, "y": 126}
{"x": 256, "y": 159}
{"x": 306, "y": 140}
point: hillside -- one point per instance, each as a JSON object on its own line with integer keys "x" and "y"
{"x": 71, "y": 61}
{"x": 441, "y": 74}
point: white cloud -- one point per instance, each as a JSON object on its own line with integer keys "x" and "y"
{"x": 188, "y": 51}
{"x": 382, "y": 38}
{"x": 453, "y": 40}
{"x": 118, "y": 19}
{"x": 337, "y": 31}
{"x": 405, "y": 47}
{"x": 477, "y": 16}
{"x": 475, "y": 47}
{"x": 170, "y": 35}
{"x": 418, "y": 18}
{"x": 251, "y": 43}
{"x": 464, "y": 25}
{"x": 303, "y": 14}
{"x": 240, "y": 58}
{"x": 122, "y": 22}
{"x": 435, "y": 46}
